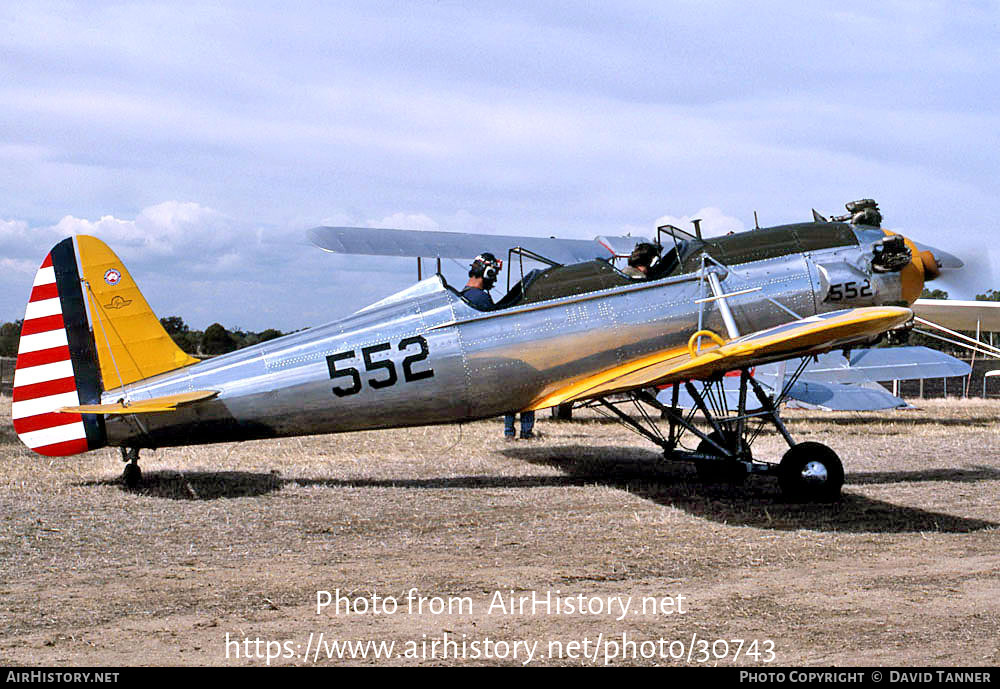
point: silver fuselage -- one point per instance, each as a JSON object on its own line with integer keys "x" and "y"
{"x": 424, "y": 356}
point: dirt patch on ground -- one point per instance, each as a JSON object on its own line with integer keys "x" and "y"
{"x": 489, "y": 549}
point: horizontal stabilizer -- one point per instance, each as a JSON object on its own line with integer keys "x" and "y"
{"x": 385, "y": 242}
{"x": 166, "y": 403}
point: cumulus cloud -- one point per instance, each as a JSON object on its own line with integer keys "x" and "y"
{"x": 168, "y": 247}
{"x": 12, "y": 227}
{"x": 170, "y": 228}
{"x": 166, "y": 229}
{"x": 22, "y": 267}
{"x": 714, "y": 222}
{"x": 19, "y": 239}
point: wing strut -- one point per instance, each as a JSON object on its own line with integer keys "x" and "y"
{"x": 724, "y": 310}
{"x": 807, "y": 471}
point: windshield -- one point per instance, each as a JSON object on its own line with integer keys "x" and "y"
{"x": 672, "y": 262}
{"x": 564, "y": 281}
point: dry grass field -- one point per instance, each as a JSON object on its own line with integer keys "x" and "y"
{"x": 234, "y": 541}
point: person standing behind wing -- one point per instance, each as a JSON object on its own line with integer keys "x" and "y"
{"x": 527, "y": 426}
{"x": 482, "y": 275}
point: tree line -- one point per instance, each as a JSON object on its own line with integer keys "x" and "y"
{"x": 213, "y": 340}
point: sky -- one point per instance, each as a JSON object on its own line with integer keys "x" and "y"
{"x": 201, "y": 140}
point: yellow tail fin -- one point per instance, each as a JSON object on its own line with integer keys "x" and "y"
{"x": 131, "y": 342}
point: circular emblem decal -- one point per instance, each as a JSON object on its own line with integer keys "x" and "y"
{"x": 112, "y": 277}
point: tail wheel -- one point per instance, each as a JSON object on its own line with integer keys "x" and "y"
{"x": 132, "y": 476}
{"x": 724, "y": 469}
{"x": 811, "y": 472}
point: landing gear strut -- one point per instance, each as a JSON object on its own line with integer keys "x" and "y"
{"x": 724, "y": 469}
{"x": 808, "y": 472}
{"x": 132, "y": 476}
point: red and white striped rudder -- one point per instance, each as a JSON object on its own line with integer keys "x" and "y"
{"x": 56, "y": 363}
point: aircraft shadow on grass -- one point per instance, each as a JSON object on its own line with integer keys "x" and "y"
{"x": 201, "y": 485}
{"x": 758, "y": 502}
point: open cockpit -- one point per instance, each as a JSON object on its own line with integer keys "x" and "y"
{"x": 684, "y": 254}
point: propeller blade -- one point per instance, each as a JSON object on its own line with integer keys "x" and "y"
{"x": 945, "y": 260}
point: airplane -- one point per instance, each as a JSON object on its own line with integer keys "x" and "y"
{"x": 95, "y": 367}
{"x": 836, "y": 382}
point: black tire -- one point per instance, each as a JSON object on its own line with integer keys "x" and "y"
{"x": 132, "y": 476}
{"x": 811, "y": 472}
{"x": 723, "y": 470}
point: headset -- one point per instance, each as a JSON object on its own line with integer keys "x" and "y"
{"x": 486, "y": 266}
{"x": 644, "y": 254}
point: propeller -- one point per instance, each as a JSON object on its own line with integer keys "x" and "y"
{"x": 936, "y": 260}
{"x": 925, "y": 264}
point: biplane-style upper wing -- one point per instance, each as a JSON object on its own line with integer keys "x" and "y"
{"x": 806, "y": 336}
{"x": 384, "y": 242}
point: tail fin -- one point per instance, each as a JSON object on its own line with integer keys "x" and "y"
{"x": 56, "y": 363}
{"x": 65, "y": 361}
{"x": 131, "y": 343}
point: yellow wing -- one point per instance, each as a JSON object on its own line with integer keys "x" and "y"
{"x": 154, "y": 404}
{"x": 806, "y": 336}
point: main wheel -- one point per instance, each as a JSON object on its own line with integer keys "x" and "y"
{"x": 811, "y": 472}
{"x": 724, "y": 469}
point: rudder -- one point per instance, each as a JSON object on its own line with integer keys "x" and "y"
{"x": 56, "y": 363}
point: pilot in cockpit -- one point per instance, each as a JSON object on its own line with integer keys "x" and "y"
{"x": 482, "y": 275}
{"x": 643, "y": 256}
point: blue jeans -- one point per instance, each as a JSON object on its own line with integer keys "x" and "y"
{"x": 527, "y": 423}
